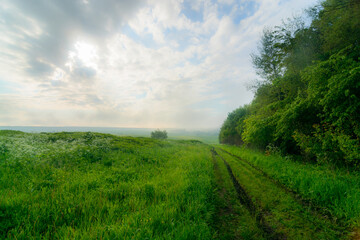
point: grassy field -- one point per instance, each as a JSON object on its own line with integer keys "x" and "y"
{"x": 87, "y": 185}
{"x": 98, "y": 186}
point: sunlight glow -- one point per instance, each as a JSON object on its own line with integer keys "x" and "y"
{"x": 83, "y": 55}
{"x": 86, "y": 53}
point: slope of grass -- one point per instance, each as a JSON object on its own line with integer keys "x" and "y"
{"x": 98, "y": 186}
{"x": 337, "y": 191}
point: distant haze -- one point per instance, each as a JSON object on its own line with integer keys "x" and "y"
{"x": 204, "y": 135}
{"x": 139, "y": 63}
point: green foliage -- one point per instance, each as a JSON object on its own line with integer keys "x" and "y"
{"x": 233, "y": 127}
{"x": 334, "y": 88}
{"x": 308, "y": 102}
{"x": 258, "y": 131}
{"x": 158, "y": 134}
{"x": 101, "y": 186}
{"x": 268, "y": 62}
{"x": 339, "y": 24}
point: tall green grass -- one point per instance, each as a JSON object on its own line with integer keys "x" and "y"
{"x": 336, "y": 190}
{"x": 98, "y": 186}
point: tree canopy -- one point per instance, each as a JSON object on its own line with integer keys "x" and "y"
{"x": 308, "y": 99}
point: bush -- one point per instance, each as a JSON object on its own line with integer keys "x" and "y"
{"x": 233, "y": 127}
{"x": 158, "y": 134}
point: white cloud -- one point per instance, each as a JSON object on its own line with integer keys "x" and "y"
{"x": 73, "y": 63}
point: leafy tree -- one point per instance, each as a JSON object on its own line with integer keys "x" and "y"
{"x": 334, "y": 88}
{"x": 158, "y": 134}
{"x": 233, "y": 127}
{"x": 308, "y": 101}
{"x": 269, "y": 58}
{"x": 258, "y": 131}
{"x": 339, "y": 24}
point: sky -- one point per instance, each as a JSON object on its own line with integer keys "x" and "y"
{"x": 130, "y": 63}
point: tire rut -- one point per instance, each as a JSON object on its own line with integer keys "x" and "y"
{"x": 316, "y": 210}
{"x": 245, "y": 199}
{"x": 227, "y": 209}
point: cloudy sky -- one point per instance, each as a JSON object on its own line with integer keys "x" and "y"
{"x": 130, "y": 63}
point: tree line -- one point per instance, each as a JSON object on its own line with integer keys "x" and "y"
{"x": 306, "y": 99}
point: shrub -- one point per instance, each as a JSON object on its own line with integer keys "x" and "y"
{"x": 158, "y": 134}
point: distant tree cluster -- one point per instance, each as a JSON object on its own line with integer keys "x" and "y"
{"x": 307, "y": 101}
{"x": 158, "y": 134}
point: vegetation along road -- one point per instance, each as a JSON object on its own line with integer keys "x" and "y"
{"x": 101, "y": 186}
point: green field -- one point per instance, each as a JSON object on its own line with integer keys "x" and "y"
{"x": 97, "y": 186}
{"x": 101, "y": 186}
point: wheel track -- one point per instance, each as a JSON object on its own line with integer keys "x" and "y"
{"x": 315, "y": 209}
{"x": 245, "y": 199}
{"x": 227, "y": 208}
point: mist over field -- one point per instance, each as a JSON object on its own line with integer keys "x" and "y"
{"x": 205, "y": 135}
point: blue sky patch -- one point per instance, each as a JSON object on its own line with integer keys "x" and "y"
{"x": 141, "y": 95}
{"x": 146, "y": 40}
{"x": 7, "y": 87}
{"x": 192, "y": 14}
{"x": 245, "y": 10}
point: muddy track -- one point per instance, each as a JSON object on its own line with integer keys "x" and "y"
{"x": 316, "y": 210}
{"x": 227, "y": 208}
{"x": 245, "y": 200}
{"x": 276, "y": 182}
